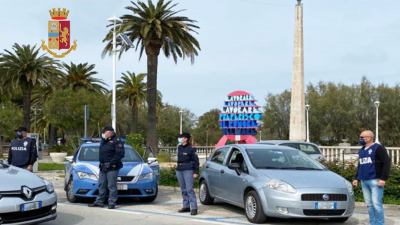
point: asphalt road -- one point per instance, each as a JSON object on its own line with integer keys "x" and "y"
{"x": 164, "y": 211}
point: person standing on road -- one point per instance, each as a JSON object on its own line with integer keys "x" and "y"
{"x": 22, "y": 152}
{"x": 373, "y": 171}
{"x": 110, "y": 156}
{"x": 186, "y": 171}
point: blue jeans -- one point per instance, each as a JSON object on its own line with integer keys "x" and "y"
{"x": 186, "y": 180}
{"x": 373, "y": 197}
{"x": 108, "y": 180}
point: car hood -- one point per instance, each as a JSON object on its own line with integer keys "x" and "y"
{"x": 12, "y": 178}
{"x": 307, "y": 178}
{"x": 128, "y": 169}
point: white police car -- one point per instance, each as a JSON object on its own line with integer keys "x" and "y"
{"x": 136, "y": 179}
{"x": 25, "y": 198}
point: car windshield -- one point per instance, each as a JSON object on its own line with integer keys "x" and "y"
{"x": 282, "y": 159}
{"x": 91, "y": 153}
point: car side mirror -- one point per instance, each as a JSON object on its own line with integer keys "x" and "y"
{"x": 152, "y": 160}
{"x": 69, "y": 159}
{"x": 235, "y": 166}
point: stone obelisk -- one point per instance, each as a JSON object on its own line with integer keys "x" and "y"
{"x": 297, "y": 104}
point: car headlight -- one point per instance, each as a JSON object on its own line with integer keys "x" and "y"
{"x": 349, "y": 187}
{"x": 83, "y": 175}
{"x": 147, "y": 176}
{"x": 280, "y": 186}
{"x": 49, "y": 186}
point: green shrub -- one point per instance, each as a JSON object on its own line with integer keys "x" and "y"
{"x": 164, "y": 157}
{"x": 392, "y": 187}
{"x": 136, "y": 140}
{"x": 59, "y": 148}
{"x": 168, "y": 178}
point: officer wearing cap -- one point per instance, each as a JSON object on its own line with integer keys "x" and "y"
{"x": 110, "y": 156}
{"x": 22, "y": 152}
{"x": 186, "y": 171}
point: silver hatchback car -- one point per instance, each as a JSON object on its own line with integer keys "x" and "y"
{"x": 275, "y": 181}
{"x": 25, "y": 198}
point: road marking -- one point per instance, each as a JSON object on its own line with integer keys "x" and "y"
{"x": 109, "y": 210}
{"x": 208, "y": 221}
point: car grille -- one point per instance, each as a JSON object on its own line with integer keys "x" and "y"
{"x": 323, "y": 212}
{"x": 16, "y": 217}
{"x": 125, "y": 178}
{"x": 318, "y": 197}
{"x": 19, "y": 194}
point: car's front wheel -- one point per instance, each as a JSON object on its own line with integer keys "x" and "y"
{"x": 253, "y": 208}
{"x": 70, "y": 191}
{"x": 204, "y": 194}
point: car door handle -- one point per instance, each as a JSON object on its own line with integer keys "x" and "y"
{"x": 222, "y": 171}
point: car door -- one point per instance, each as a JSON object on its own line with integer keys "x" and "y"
{"x": 231, "y": 180}
{"x": 214, "y": 168}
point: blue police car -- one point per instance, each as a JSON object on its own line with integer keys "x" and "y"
{"x": 136, "y": 179}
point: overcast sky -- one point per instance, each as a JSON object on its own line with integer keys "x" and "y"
{"x": 246, "y": 44}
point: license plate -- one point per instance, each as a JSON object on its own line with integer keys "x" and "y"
{"x": 325, "y": 205}
{"x": 30, "y": 206}
{"x": 122, "y": 187}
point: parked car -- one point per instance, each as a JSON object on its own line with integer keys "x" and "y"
{"x": 309, "y": 148}
{"x": 25, "y": 198}
{"x": 274, "y": 181}
{"x": 136, "y": 179}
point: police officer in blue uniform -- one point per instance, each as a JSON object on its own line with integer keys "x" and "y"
{"x": 186, "y": 171}
{"x": 373, "y": 171}
{"x": 22, "y": 152}
{"x": 110, "y": 156}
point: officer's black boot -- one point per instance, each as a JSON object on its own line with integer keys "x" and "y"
{"x": 193, "y": 212}
{"x": 183, "y": 210}
{"x": 96, "y": 204}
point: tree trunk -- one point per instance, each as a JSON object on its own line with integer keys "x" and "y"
{"x": 135, "y": 117}
{"x": 152, "y": 63}
{"x": 27, "y": 93}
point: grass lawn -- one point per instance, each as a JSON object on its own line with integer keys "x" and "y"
{"x": 51, "y": 166}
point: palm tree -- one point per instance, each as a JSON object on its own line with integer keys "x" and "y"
{"x": 132, "y": 87}
{"x": 81, "y": 76}
{"x": 156, "y": 27}
{"x": 24, "y": 69}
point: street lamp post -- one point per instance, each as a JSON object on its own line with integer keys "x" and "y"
{"x": 180, "y": 123}
{"x": 114, "y": 19}
{"x": 376, "y": 103}
{"x": 308, "y": 123}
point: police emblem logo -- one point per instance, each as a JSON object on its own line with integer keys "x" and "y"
{"x": 25, "y": 143}
{"x": 59, "y": 31}
{"x": 369, "y": 152}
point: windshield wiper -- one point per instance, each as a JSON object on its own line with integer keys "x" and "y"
{"x": 3, "y": 164}
{"x": 270, "y": 167}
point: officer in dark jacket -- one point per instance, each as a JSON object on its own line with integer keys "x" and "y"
{"x": 110, "y": 156}
{"x": 22, "y": 152}
{"x": 186, "y": 171}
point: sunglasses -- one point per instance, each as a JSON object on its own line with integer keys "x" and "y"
{"x": 362, "y": 137}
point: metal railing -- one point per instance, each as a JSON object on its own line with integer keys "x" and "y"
{"x": 350, "y": 153}
{"x": 331, "y": 153}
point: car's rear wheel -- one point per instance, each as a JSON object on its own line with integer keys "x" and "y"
{"x": 204, "y": 194}
{"x": 339, "y": 220}
{"x": 253, "y": 208}
{"x": 70, "y": 192}
{"x": 151, "y": 198}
